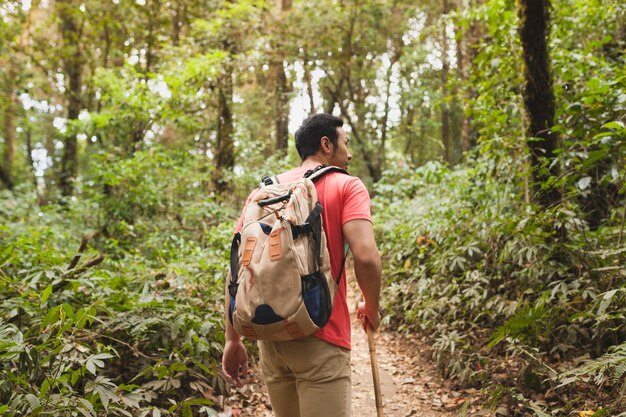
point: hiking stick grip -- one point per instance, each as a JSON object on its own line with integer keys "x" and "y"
{"x": 375, "y": 374}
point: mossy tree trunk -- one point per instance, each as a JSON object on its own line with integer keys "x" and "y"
{"x": 72, "y": 62}
{"x": 539, "y": 100}
{"x": 281, "y": 90}
{"x": 445, "y": 69}
{"x": 225, "y": 146}
{"x": 6, "y": 171}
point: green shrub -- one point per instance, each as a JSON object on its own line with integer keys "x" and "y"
{"x": 129, "y": 329}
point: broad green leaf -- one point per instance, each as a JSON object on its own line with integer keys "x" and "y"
{"x": 96, "y": 361}
{"x": 46, "y": 293}
{"x": 45, "y": 387}
{"x": 617, "y": 125}
{"x": 51, "y": 317}
{"x": 88, "y": 408}
{"x": 33, "y": 401}
{"x": 68, "y": 311}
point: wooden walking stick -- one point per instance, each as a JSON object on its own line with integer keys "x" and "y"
{"x": 375, "y": 375}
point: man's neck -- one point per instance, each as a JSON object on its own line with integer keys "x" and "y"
{"x": 314, "y": 161}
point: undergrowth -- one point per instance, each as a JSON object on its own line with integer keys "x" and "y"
{"x": 507, "y": 305}
{"x": 112, "y": 303}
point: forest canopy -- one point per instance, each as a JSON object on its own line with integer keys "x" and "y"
{"x": 490, "y": 133}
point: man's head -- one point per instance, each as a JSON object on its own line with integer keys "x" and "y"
{"x": 322, "y": 134}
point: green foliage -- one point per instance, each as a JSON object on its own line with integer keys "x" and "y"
{"x": 134, "y": 327}
{"x": 609, "y": 368}
{"x": 496, "y": 74}
{"x": 138, "y": 334}
{"x": 480, "y": 272}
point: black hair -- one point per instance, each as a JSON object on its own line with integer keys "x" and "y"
{"x": 313, "y": 129}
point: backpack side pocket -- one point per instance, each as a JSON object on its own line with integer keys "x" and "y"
{"x": 316, "y": 297}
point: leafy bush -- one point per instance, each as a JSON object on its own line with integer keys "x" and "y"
{"x": 481, "y": 272}
{"x": 128, "y": 321}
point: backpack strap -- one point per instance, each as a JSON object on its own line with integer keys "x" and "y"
{"x": 267, "y": 180}
{"x": 313, "y": 225}
{"x": 315, "y": 218}
{"x": 234, "y": 267}
{"x": 343, "y": 263}
{"x": 321, "y": 170}
{"x": 313, "y": 174}
{"x": 315, "y": 221}
{"x": 234, "y": 251}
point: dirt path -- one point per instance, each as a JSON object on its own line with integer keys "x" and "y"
{"x": 410, "y": 384}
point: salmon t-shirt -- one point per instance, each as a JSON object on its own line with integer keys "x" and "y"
{"x": 344, "y": 198}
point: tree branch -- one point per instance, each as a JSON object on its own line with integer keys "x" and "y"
{"x": 81, "y": 249}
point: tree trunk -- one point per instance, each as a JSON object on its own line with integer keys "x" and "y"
{"x": 281, "y": 97}
{"x": 382, "y": 154}
{"x": 72, "y": 58}
{"x": 281, "y": 107}
{"x": 445, "y": 116}
{"x": 153, "y": 11}
{"x": 225, "y": 147}
{"x": 5, "y": 178}
{"x": 472, "y": 38}
{"x": 462, "y": 74}
{"x": 176, "y": 20}
{"x": 538, "y": 98}
{"x": 9, "y": 125}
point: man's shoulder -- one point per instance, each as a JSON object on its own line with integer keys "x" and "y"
{"x": 345, "y": 180}
{"x": 342, "y": 180}
{"x": 293, "y": 174}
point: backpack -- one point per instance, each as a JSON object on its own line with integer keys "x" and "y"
{"x": 281, "y": 284}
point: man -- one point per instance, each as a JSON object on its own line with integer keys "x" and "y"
{"x": 311, "y": 377}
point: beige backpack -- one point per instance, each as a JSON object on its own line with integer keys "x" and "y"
{"x": 281, "y": 284}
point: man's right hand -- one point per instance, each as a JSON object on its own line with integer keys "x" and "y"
{"x": 368, "y": 319}
{"x": 235, "y": 361}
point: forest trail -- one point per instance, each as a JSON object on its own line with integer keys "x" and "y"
{"x": 410, "y": 383}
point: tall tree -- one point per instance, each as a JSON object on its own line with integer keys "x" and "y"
{"x": 468, "y": 44}
{"x": 461, "y": 65}
{"x": 538, "y": 97}
{"x": 15, "y": 40}
{"x": 71, "y": 33}
{"x": 281, "y": 89}
{"x": 225, "y": 144}
{"x": 359, "y": 70}
{"x": 445, "y": 69}
{"x": 9, "y": 125}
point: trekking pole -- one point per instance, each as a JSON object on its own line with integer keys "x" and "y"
{"x": 375, "y": 375}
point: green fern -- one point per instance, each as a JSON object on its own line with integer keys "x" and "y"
{"x": 611, "y": 366}
{"x": 526, "y": 323}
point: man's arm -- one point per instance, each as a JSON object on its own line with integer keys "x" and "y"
{"x": 367, "y": 266}
{"x": 235, "y": 359}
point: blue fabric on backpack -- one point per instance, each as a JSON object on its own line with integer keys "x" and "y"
{"x": 316, "y": 297}
{"x": 264, "y": 314}
{"x": 312, "y": 301}
{"x": 267, "y": 229}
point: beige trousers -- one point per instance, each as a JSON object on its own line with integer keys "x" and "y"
{"x": 307, "y": 377}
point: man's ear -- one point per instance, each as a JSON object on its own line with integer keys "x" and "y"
{"x": 326, "y": 145}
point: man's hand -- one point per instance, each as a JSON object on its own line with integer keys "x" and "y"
{"x": 235, "y": 361}
{"x": 369, "y": 319}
